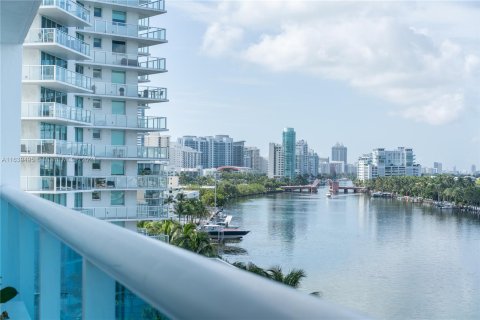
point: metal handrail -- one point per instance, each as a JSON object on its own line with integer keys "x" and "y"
{"x": 123, "y": 121}
{"x": 128, "y": 90}
{"x": 126, "y": 30}
{"x": 128, "y": 60}
{"x": 170, "y": 278}
{"x": 55, "y": 110}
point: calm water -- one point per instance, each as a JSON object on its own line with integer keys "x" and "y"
{"x": 382, "y": 257}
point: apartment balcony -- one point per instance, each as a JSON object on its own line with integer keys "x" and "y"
{"x": 144, "y": 8}
{"x": 65, "y": 12}
{"x": 57, "y": 78}
{"x": 142, "y": 94}
{"x": 143, "y": 35}
{"x": 115, "y": 121}
{"x": 55, "y": 148}
{"x": 143, "y": 65}
{"x": 57, "y": 43}
{"x": 61, "y": 184}
{"x": 53, "y": 112}
{"x": 131, "y": 152}
{"x": 33, "y": 231}
{"x": 116, "y": 213}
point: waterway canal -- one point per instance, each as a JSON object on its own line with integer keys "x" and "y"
{"x": 385, "y": 258}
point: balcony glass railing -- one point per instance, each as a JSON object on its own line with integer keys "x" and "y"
{"x": 55, "y": 147}
{"x": 55, "y": 183}
{"x": 158, "y": 5}
{"x": 128, "y": 60}
{"x": 140, "y": 211}
{"x": 55, "y": 110}
{"x": 34, "y": 231}
{"x": 51, "y": 72}
{"x": 71, "y": 183}
{"x": 131, "y": 152}
{"x": 52, "y": 35}
{"x": 71, "y": 7}
{"x": 129, "y": 90}
{"x": 116, "y": 120}
{"x": 127, "y": 30}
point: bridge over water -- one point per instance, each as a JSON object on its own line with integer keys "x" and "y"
{"x": 311, "y": 188}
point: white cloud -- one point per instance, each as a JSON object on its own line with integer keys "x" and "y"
{"x": 422, "y": 57}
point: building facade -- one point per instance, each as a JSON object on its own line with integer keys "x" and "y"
{"x": 301, "y": 157}
{"x": 339, "y": 153}
{"x": 84, "y": 96}
{"x": 238, "y": 154}
{"x": 289, "y": 156}
{"x": 252, "y": 158}
{"x": 387, "y": 163}
{"x": 275, "y": 161}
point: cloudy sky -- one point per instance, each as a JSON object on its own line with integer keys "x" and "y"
{"x": 368, "y": 74}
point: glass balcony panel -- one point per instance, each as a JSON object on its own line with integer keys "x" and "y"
{"x": 52, "y": 72}
{"x": 71, "y": 7}
{"x": 55, "y": 110}
{"x": 52, "y": 35}
{"x": 140, "y": 211}
{"x": 55, "y": 147}
{"x": 128, "y": 60}
{"x": 113, "y": 120}
{"x": 131, "y": 152}
{"x": 56, "y": 183}
{"x": 129, "y": 90}
{"x": 127, "y": 30}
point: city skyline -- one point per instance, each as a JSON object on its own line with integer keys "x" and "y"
{"x": 250, "y": 75}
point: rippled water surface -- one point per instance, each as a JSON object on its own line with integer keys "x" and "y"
{"x": 385, "y": 258}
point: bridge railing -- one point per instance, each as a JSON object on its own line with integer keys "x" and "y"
{"x": 178, "y": 283}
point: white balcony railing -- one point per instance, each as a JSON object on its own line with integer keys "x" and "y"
{"x": 129, "y": 90}
{"x": 52, "y": 35}
{"x": 127, "y": 30}
{"x": 50, "y": 110}
{"x": 162, "y": 275}
{"x": 71, "y": 7}
{"x": 141, "y": 211}
{"x": 56, "y": 73}
{"x": 73, "y": 183}
{"x": 128, "y": 60}
{"x": 131, "y": 152}
{"x": 157, "y": 5}
{"x": 122, "y": 121}
{"x": 55, "y": 147}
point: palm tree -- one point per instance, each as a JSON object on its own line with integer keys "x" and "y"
{"x": 292, "y": 279}
{"x": 168, "y": 201}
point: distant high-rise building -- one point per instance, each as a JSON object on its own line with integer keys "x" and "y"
{"x": 183, "y": 157}
{"x": 275, "y": 161}
{"x": 474, "y": 169}
{"x": 324, "y": 166}
{"x": 220, "y": 151}
{"x": 301, "y": 155}
{"x": 438, "y": 167}
{"x": 339, "y": 153}
{"x": 197, "y": 143}
{"x": 313, "y": 163}
{"x": 238, "y": 151}
{"x": 263, "y": 165}
{"x": 385, "y": 163}
{"x": 289, "y": 147}
{"x": 155, "y": 139}
{"x": 252, "y": 158}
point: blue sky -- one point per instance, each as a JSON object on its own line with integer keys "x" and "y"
{"x": 376, "y": 74}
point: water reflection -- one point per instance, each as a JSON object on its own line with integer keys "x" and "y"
{"x": 386, "y": 258}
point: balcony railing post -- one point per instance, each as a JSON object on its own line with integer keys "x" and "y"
{"x": 98, "y": 292}
{"x": 49, "y": 269}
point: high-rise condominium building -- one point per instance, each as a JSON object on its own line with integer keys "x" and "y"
{"x": 86, "y": 67}
{"x": 339, "y": 153}
{"x": 182, "y": 157}
{"x": 238, "y": 153}
{"x": 197, "y": 143}
{"x": 437, "y": 166}
{"x": 313, "y": 163}
{"x": 220, "y": 151}
{"x": 386, "y": 163}
{"x": 301, "y": 157}
{"x": 289, "y": 148}
{"x": 276, "y": 161}
{"x": 252, "y": 158}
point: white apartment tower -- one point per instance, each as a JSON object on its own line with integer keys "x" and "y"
{"x": 276, "y": 161}
{"x": 387, "y": 163}
{"x": 86, "y": 68}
